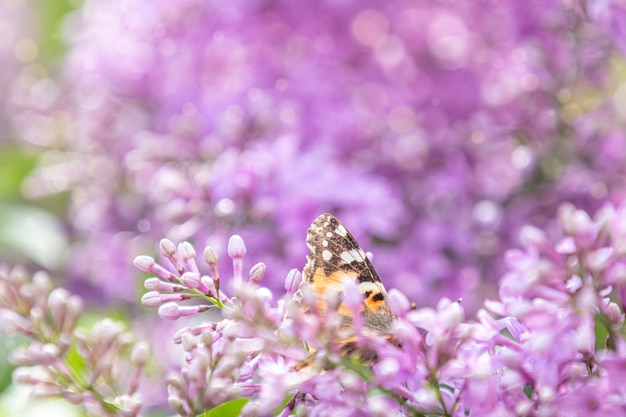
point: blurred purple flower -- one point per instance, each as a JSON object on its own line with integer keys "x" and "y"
{"x": 611, "y": 15}
{"x": 434, "y": 130}
{"x": 18, "y": 48}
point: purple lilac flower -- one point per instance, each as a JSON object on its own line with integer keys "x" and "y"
{"x": 105, "y": 383}
{"x": 435, "y": 130}
{"x": 555, "y": 298}
{"x": 535, "y": 350}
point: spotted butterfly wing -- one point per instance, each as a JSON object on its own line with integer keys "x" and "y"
{"x": 336, "y": 256}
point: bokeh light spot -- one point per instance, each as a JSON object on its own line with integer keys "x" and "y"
{"x": 288, "y": 115}
{"x": 598, "y": 190}
{"x": 486, "y": 243}
{"x": 522, "y": 157}
{"x": 224, "y": 207}
{"x": 487, "y": 212}
{"x": 448, "y": 40}
{"x": 143, "y": 225}
{"x": 477, "y": 136}
{"x": 26, "y": 51}
{"x": 390, "y": 51}
{"x": 529, "y": 82}
{"x": 619, "y": 100}
{"x": 564, "y": 95}
{"x": 401, "y": 119}
{"x": 410, "y": 151}
{"x": 234, "y": 115}
{"x": 369, "y": 27}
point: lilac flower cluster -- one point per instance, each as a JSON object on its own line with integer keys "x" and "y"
{"x": 104, "y": 381}
{"x": 553, "y": 345}
{"x": 434, "y": 129}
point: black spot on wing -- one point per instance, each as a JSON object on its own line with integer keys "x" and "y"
{"x": 379, "y": 297}
{"x": 367, "y": 273}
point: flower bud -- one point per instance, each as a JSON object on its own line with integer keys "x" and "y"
{"x": 173, "y": 311}
{"x": 208, "y": 285}
{"x": 531, "y": 236}
{"x": 73, "y": 311}
{"x": 57, "y": 304}
{"x": 147, "y": 264}
{"x": 292, "y": 281}
{"x": 140, "y": 354}
{"x": 41, "y": 287}
{"x": 24, "y": 375}
{"x": 129, "y": 405}
{"x": 599, "y": 259}
{"x": 106, "y": 331}
{"x": 187, "y": 251}
{"x": 210, "y": 255}
{"x": 155, "y": 284}
{"x": 168, "y": 248}
{"x": 257, "y": 272}
{"x": 154, "y": 299}
{"x": 151, "y": 299}
{"x": 614, "y": 312}
{"x": 192, "y": 280}
{"x": 236, "y": 247}
{"x": 398, "y": 303}
{"x": 144, "y": 263}
{"x": 177, "y": 404}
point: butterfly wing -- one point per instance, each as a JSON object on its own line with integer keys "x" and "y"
{"x": 336, "y": 256}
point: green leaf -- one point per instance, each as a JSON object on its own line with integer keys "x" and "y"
{"x": 76, "y": 361}
{"x": 355, "y": 365}
{"x": 7, "y": 344}
{"x": 228, "y": 409}
{"x": 447, "y": 387}
{"x": 15, "y": 165}
{"x": 602, "y": 327}
{"x": 50, "y": 17}
{"x": 528, "y": 390}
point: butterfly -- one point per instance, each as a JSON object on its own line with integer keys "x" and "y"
{"x": 335, "y": 257}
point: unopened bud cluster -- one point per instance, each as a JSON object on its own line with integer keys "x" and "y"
{"x": 182, "y": 280}
{"x": 105, "y": 384}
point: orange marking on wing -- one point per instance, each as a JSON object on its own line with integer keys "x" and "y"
{"x": 324, "y": 285}
{"x": 373, "y": 295}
